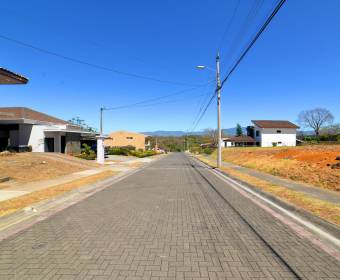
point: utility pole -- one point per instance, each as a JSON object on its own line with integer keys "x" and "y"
{"x": 100, "y": 140}
{"x": 218, "y": 88}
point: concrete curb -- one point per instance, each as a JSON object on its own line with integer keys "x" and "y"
{"x": 22, "y": 219}
{"x": 325, "y": 225}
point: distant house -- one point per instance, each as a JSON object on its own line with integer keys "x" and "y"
{"x": 269, "y": 133}
{"x": 237, "y": 141}
{"x": 126, "y": 138}
{"x": 24, "y": 129}
{"x": 9, "y": 78}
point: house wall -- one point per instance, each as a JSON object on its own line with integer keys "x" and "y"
{"x": 72, "y": 143}
{"x": 227, "y": 144}
{"x": 120, "y": 139}
{"x": 268, "y": 136}
{"x": 20, "y": 137}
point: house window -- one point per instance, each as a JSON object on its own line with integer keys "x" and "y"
{"x": 278, "y": 131}
{"x": 130, "y": 138}
{"x": 257, "y": 133}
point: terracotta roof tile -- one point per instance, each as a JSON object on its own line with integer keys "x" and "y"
{"x": 274, "y": 124}
{"x": 8, "y": 77}
{"x": 13, "y": 113}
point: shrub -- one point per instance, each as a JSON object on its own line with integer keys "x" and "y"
{"x": 91, "y": 156}
{"x": 142, "y": 154}
{"x": 87, "y": 153}
{"x": 120, "y": 151}
{"x": 208, "y": 150}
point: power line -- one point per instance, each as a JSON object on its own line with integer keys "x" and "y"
{"x": 253, "y": 11}
{"x": 258, "y": 34}
{"x": 202, "y": 103}
{"x": 242, "y": 31}
{"x": 89, "y": 64}
{"x": 229, "y": 24}
{"x": 195, "y": 123}
{"x": 157, "y": 103}
{"x": 154, "y": 99}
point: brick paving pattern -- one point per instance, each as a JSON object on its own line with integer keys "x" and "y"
{"x": 164, "y": 222}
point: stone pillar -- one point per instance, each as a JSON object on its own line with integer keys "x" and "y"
{"x": 100, "y": 149}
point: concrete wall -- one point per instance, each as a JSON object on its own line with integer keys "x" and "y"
{"x": 36, "y": 139}
{"x": 268, "y": 136}
{"x": 72, "y": 143}
{"x": 20, "y": 137}
{"x": 125, "y": 138}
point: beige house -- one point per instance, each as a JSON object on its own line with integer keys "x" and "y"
{"x": 125, "y": 138}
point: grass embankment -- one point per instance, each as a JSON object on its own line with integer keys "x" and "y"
{"x": 325, "y": 210}
{"x": 30, "y": 167}
{"x": 11, "y": 205}
{"x": 307, "y": 164}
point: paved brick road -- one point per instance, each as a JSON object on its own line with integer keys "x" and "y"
{"x": 160, "y": 223}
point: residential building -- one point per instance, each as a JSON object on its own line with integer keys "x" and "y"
{"x": 237, "y": 141}
{"x": 23, "y": 129}
{"x": 269, "y": 133}
{"x": 126, "y": 138}
{"x": 9, "y": 78}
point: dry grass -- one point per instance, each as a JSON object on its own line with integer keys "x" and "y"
{"x": 28, "y": 167}
{"x": 11, "y": 205}
{"x": 307, "y": 164}
{"x": 325, "y": 210}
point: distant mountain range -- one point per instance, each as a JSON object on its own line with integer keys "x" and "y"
{"x": 178, "y": 133}
{"x": 227, "y": 131}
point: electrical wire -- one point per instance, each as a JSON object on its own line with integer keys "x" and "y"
{"x": 161, "y": 103}
{"x": 89, "y": 64}
{"x": 154, "y": 99}
{"x": 226, "y": 30}
{"x": 258, "y": 34}
{"x": 203, "y": 112}
{"x": 254, "y": 10}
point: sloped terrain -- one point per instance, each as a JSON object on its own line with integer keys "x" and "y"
{"x": 28, "y": 167}
{"x": 308, "y": 164}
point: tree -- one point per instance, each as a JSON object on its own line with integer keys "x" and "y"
{"x": 77, "y": 121}
{"x": 333, "y": 129}
{"x": 315, "y": 119}
{"x": 213, "y": 136}
{"x": 239, "y": 130}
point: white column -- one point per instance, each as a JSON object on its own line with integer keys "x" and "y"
{"x": 100, "y": 149}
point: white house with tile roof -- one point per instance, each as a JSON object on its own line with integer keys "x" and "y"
{"x": 269, "y": 133}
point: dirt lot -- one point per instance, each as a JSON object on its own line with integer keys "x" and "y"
{"x": 28, "y": 167}
{"x": 308, "y": 164}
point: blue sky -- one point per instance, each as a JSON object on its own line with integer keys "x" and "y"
{"x": 294, "y": 66}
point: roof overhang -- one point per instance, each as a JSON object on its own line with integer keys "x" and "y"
{"x": 69, "y": 131}
{"x": 9, "y": 78}
{"x": 24, "y": 121}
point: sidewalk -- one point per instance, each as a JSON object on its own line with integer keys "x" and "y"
{"x": 311, "y": 191}
{"x": 17, "y": 189}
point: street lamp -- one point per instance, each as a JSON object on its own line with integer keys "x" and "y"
{"x": 218, "y": 91}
